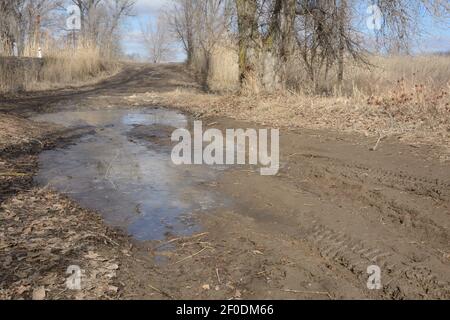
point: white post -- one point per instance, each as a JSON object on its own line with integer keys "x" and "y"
{"x": 39, "y": 55}
{"x": 15, "y": 50}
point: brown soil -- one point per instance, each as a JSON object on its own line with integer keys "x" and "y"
{"x": 335, "y": 208}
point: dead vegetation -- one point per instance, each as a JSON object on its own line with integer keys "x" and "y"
{"x": 301, "y": 45}
{"x": 415, "y": 106}
{"x": 68, "y": 67}
{"x": 37, "y": 33}
{"x": 42, "y": 234}
{"x": 62, "y": 67}
{"x": 306, "y": 64}
{"x": 232, "y": 262}
{"x": 16, "y": 131}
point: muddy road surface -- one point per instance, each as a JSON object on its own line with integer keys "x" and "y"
{"x": 335, "y": 210}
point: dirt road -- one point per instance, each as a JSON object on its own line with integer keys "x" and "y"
{"x": 311, "y": 232}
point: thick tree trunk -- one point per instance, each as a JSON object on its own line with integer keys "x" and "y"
{"x": 281, "y": 44}
{"x": 249, "y": 41}
{"x": 189, "y": 46}
{"x": 263, "y": 61}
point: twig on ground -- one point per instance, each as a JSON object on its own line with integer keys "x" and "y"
{"x": 374, "y": 148}
{"x": 12, "y": 174}
{"x": 162, "y": 292}
{"x": 191, "y": 256}
{"x": 218, "y": 276}
{"x": 104, "y": 237}
{"x": 325, "y": 293}
{"x": 178, "y": 239}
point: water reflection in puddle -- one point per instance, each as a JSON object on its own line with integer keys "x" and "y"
{"x": 130, "y": 180}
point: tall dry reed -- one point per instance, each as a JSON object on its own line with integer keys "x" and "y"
{"x": 61, "y": 65}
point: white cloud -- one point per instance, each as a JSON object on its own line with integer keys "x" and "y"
{"x": 149, "y": 6}
{"x": 133, "y": 36}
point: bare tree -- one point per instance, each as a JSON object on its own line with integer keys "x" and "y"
{"x": 325, "y": 33}
{"x": 181, "y": 20}
{"x": 9, "y": 24}
{"x": 200, "y": 24}
{"x": 266, "y": 40}
{"x": 100, "y": 19}
{"x": 22, "y": 21}
{"x": 326, "y": 36}
{"x": 158, "y": 40}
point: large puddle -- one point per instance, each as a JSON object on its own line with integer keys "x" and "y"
{"x": 125, "y": 172}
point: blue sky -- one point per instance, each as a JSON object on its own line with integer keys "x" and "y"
{"x": 436, "y": 37}
{"x": 145, "y": 11}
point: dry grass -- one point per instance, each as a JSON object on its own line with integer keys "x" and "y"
{"x": 199, "y": 65}
{"x": 220, "y": 72}
{"x": 429, "y": 71}
{"x": 60, "y": 67}
{"x": 16, "y": 73}
{"x": 74, "y": 67}
{"x": 223, "y": 73}
{"x": 408, "y": 97}
{"x": 377, "y": 78}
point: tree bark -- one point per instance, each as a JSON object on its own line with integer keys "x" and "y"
{"x": 263, "y": 60}
{"x": 281, "y": 43}
{"x": 249, "y": 39}
{"x": 341, "y": 51}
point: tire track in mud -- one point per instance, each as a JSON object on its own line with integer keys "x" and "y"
{"x": 398, "y": 198}
{"x": 356, "y": 255}
{"x": 433, "y": 187}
